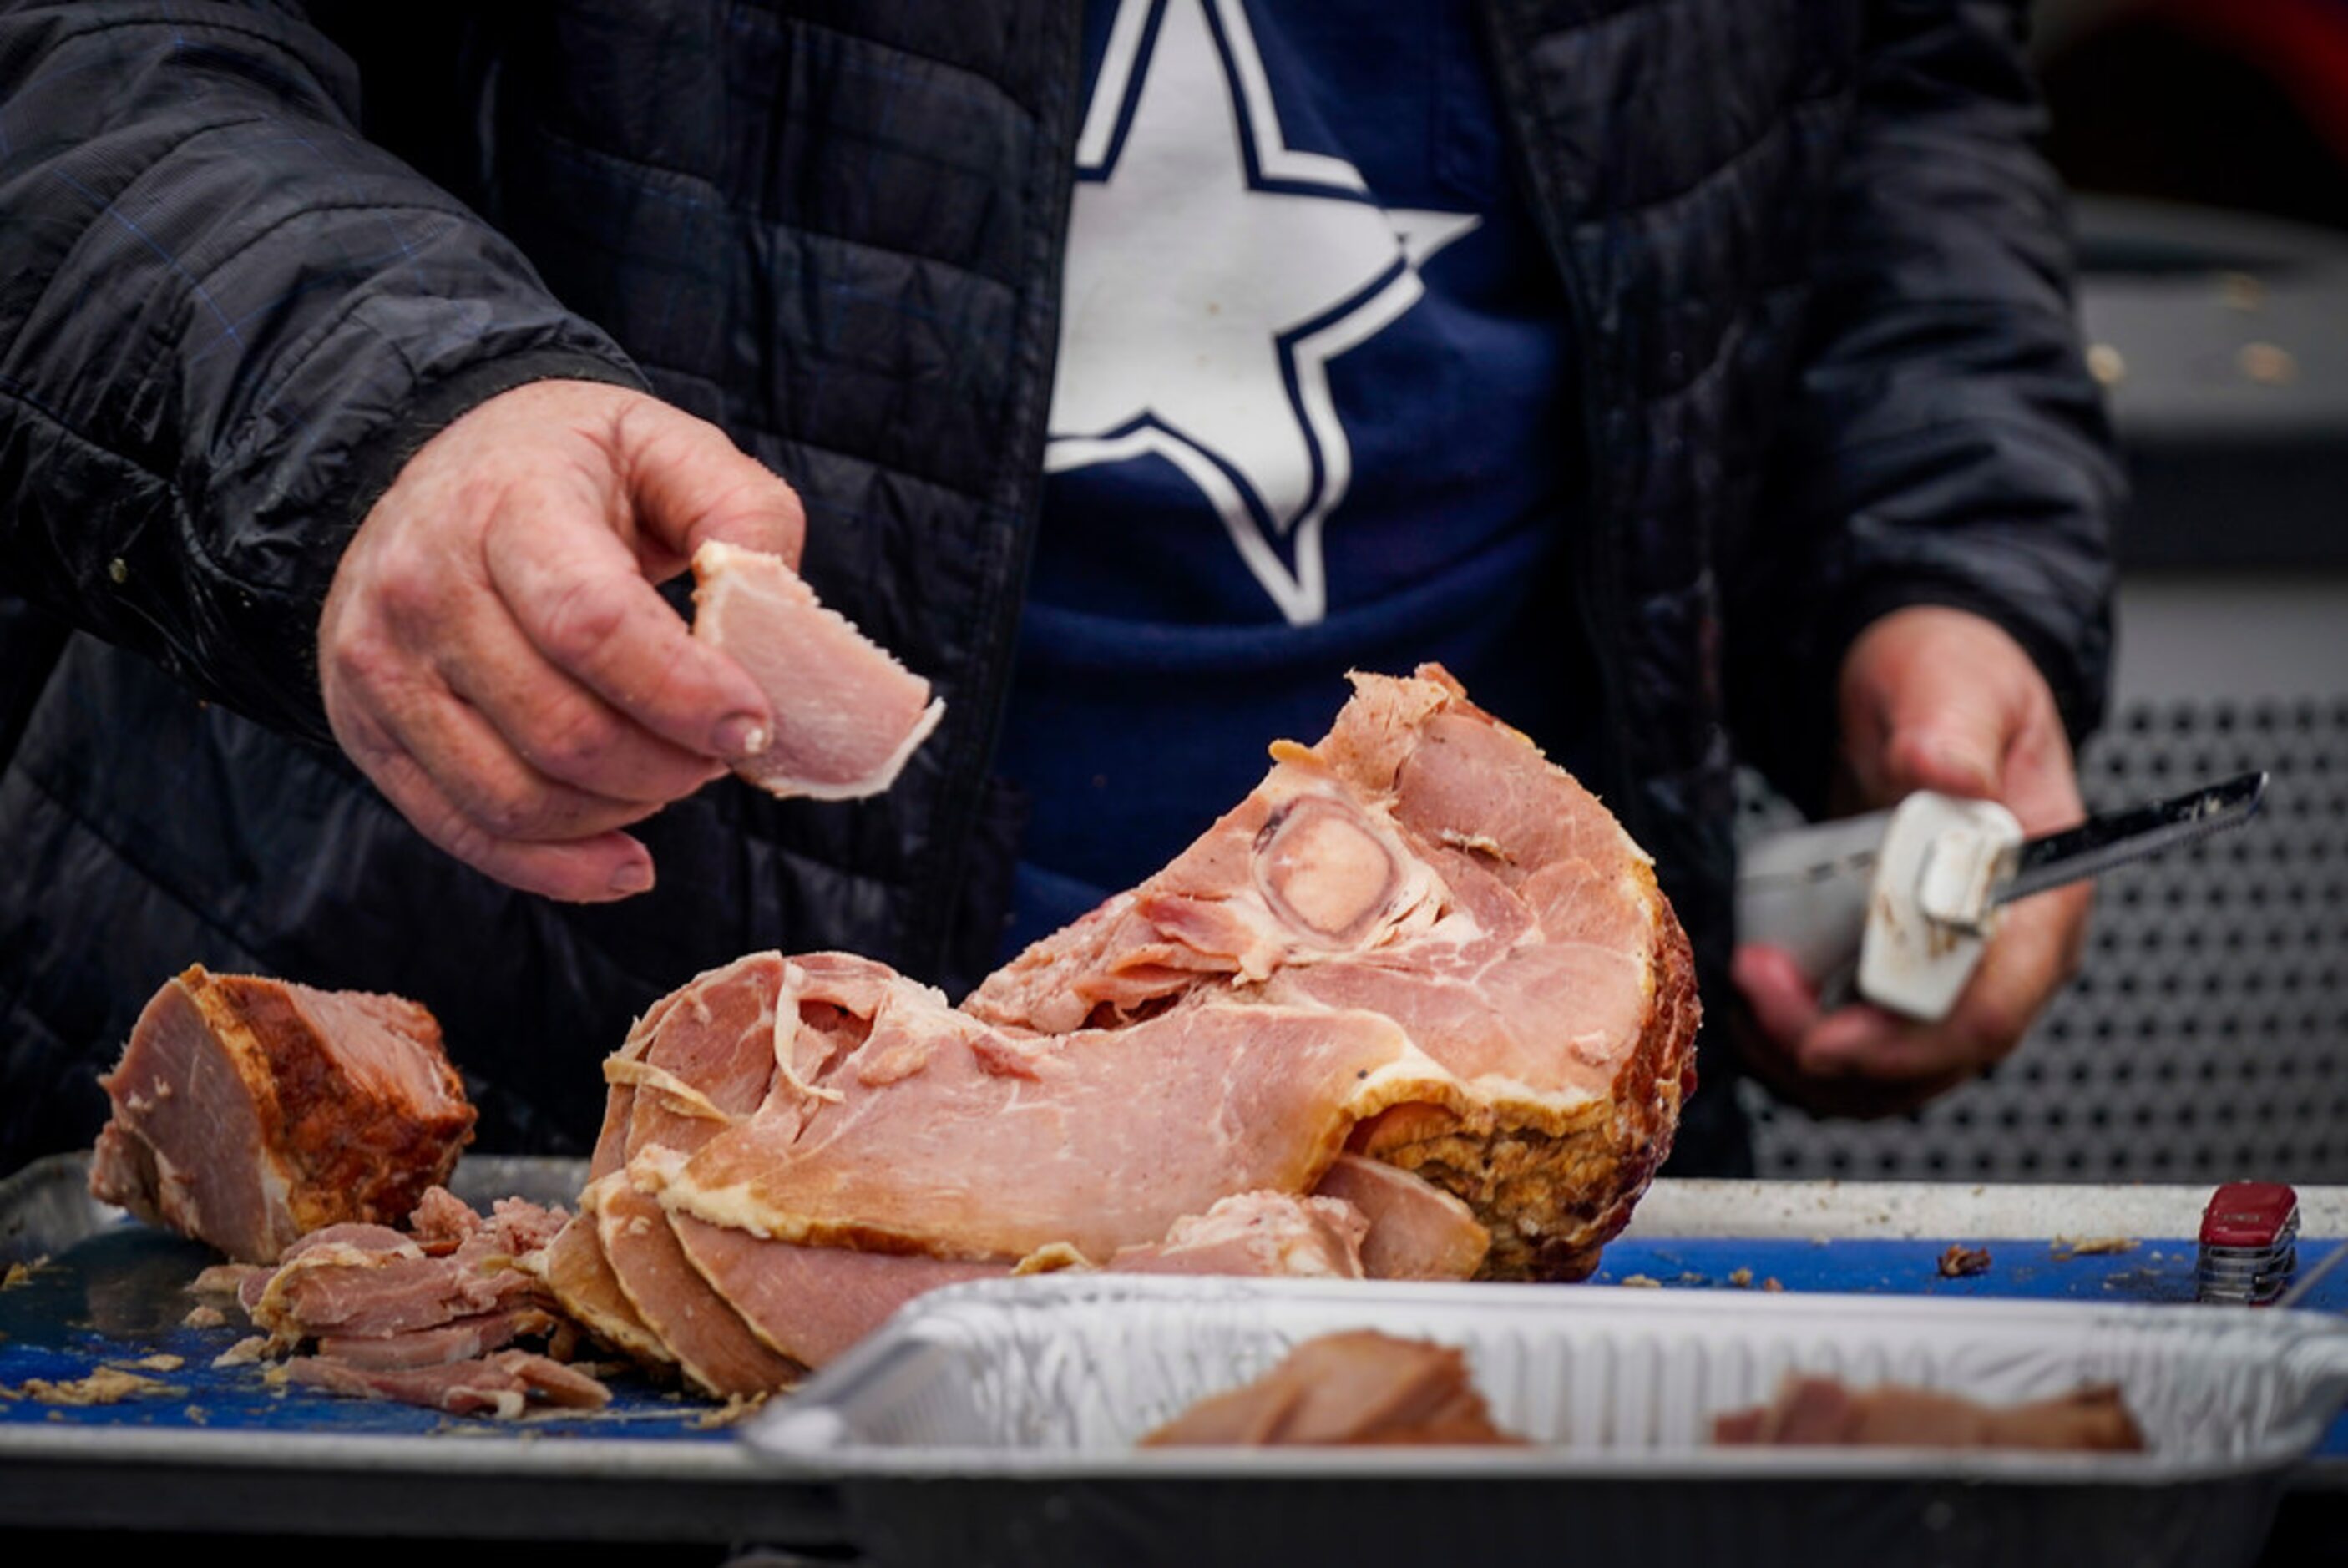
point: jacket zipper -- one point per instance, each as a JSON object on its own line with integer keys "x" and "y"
{"x": 969, "y": 781}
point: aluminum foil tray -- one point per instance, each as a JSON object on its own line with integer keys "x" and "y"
{"x": 994, "y": 1423}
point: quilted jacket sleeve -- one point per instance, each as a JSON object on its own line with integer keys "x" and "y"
{"x": 225, "y": 321}
{"x": 1946, "y": 444}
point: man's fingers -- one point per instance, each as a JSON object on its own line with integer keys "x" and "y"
{"x": 581, "y": 600}
{"x": 479, "y": 775}
{"x": 2033, "y": 953}
{"x": 594, "y": 869}
{"x": 2036, "y": 949}
{"x": 692, "y": 484}
{"x": 561, "y": 728}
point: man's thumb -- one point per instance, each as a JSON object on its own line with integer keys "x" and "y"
{"x": 1945, "y": 734}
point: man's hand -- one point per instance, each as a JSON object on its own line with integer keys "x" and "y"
{"x": 494, "y": 655}
{"x": 1932, "y": 699}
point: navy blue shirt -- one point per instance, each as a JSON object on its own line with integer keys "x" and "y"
{"x": 1313, "y": 411}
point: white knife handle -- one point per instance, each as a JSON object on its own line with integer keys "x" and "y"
{"x": 1806, "y": 890}
{"x": 1891, "y": 905}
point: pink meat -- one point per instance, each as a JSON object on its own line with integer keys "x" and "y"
{"x": 812, "y": 1303}
{"x": 575, "y": 1272}
{"x": 847, "y": 715}
{"x": 701, "y": 1329}
{"x": 249, "y": 1110}
{"x": 972, "y": 1143}
{"x": 1360, "y": 1387}
{"x": 703, "y": 1066}
{"x": 461, "y": 1339}
{"x": 1416, "y": 1230}
{"x": 348, "y": 1287}
{"x": 815, "y": 1302}
{"x": 1258, "y": 1233}
{"x": 1820, "y": 1410}
{"x": 503, "y": 1385}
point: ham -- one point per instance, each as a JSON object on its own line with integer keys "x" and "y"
{"x": 1355, "y": 1388}
{"x": 247, "y": 1111}
{"x": 1415, "y": 1230}
{"x": 1414, "y": 1008}
{"x": 504, "y": 1385}
{"x": 429, "y": 1317}
{"x": 956, "y": 1140}
{"x": 1820, "y": 1410}
{"x": 1423, "y": 863}
{"x": 1264, "y": 1233}
{"x": 847, "y": 714}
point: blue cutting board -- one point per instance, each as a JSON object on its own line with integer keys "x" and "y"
{"x": 121, "y": 1295}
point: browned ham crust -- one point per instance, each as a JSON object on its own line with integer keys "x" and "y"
{"x": 248, "y": 1111}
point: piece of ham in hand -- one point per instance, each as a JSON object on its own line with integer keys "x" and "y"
{"x": 847, "y": 714}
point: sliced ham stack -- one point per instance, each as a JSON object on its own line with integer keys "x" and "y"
{"x": 1425, "y": 864}
{"x": 1415, "y": 1006}
{"x": 248, "y": 1111}
{"x": 847, "y": 714}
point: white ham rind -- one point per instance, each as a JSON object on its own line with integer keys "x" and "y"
{"x": 847, "y": 714}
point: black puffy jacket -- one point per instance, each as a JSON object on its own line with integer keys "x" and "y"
{"x": 251, "y": 256}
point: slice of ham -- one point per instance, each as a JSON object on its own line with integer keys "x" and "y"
{"x": 461, "y": 1339}
{"x": 847, "y": 714}
{"x": 1355, "y": 1387}
{"x": 812, "y": 1303}
{"x": 1260, "y": 1233}
{"x": 250, "y": 1110}
{"x": 370, "y": 1282}
{"x": 956, "y": 1140}
{"x": 690, "y": 1071}
{"x": 703, "y": 1331}
{"x": 575, "y": 1272}
{"x": 504, "y": 1385}
{"x": 1820, "y": 1410}
{"x": 1416, "y": 1230}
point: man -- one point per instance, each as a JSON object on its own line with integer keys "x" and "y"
{"x": 351, "y": 404}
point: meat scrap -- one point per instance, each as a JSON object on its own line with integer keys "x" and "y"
{"x": 855, "y": 714}
{"x": 107, "y": 1385}
{"x": 1961, "y": 1261}
{"x": 1820, "y": 1410}
{"x": 504, "y": 1385}
{"x": 1416, "y": 1008}
{"x": 1357, "y": 1388}
{"x": 430, "y": 1318}
{"x": 248, "y": 1111}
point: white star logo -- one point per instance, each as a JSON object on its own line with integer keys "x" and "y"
{"x": 1213, "y": 272}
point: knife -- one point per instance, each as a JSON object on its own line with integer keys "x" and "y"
{"x": 1895, "y": 907}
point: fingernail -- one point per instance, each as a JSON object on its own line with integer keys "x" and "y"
{"x": 741, "y": 736}
{"x": 1965, "y": 763}
{"x": 632, "y": 878}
